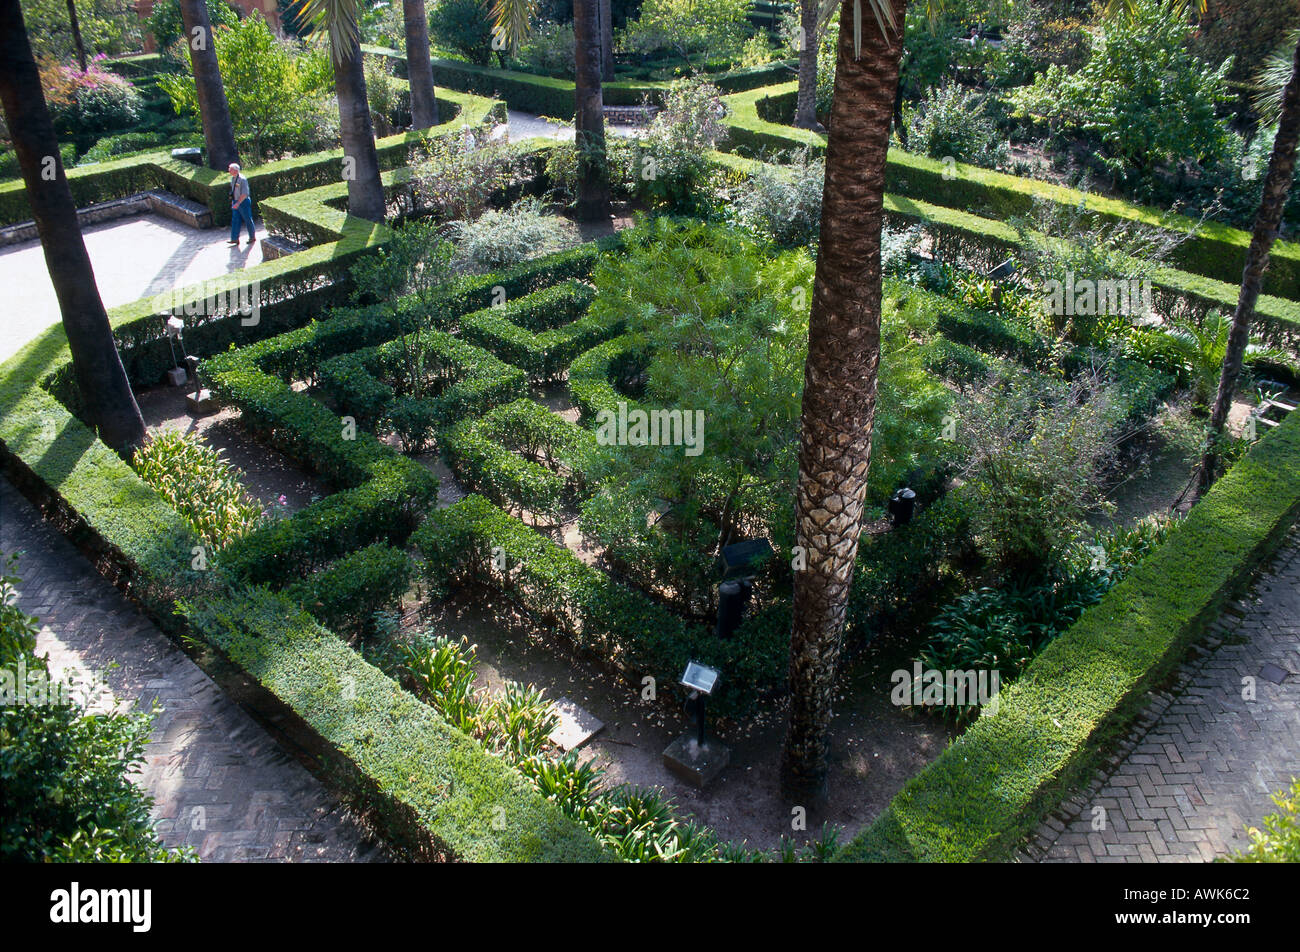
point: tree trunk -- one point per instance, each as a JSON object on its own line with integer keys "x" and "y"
{"x": 805, "y": 110}
{"x": 214, "y": 111}
{"x": 106, "y": 393}
{"x": 839, "y": 398}
{"x": 589, "y": 117}
{"x": 76, "y": 34}
{"x": 419, "y": 69}
{"x": 606, "y": 41}
{"x": 360, "y": 161}
{"x": 1277, "y": 185}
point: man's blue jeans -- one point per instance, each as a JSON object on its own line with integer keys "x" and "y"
{"x": 241, "y": 213}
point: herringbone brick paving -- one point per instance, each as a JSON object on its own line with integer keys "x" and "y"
{"x": 1203, "y": 759}
{"x": 219, "y": 781}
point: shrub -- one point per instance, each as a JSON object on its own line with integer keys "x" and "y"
{"x": 65, "y": 791}
{"x": 677, "y": 145}
{"x": 684, "y": 27}
{"x": 167, "y": 26}
{"x": 1141, "y": 95}
{"x": 464, "y": 26}
{"x": 345, "y": 596}
{"x": 500, "y": 239}
{"x": 455, "y": 176}
{"x": 1036, "y": 450}
{"x": 1279, "y": 841}
{"x": 952, "y": 122}
{"x": 90, "y": 104}
{"x": 548, "y": 50}
{"x": 200, "y": 485}
{"x": 783, "y": 203}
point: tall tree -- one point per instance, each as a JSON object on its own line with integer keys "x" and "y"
{"x": 1277, "y": 186}
{"x": 513, "y": 17}
{"x": 214, "y": 111}
{"x": 805, "y": 108}
{"x": 95, "y": 360}
{"x": 589, "y": 113}
{"x": 76, "y": 34}
{"x": 360, "y": 160}
{"x": 419, "y": 68}
{"x": 840, "y": 375}
{"x": 606, "y": 41}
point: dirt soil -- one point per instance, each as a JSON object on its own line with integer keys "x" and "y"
{"x": 877, "y": 747}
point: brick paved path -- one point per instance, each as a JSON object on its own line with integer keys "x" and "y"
{"x": 1201, "y": 761}
{"x": 205, "y": 752}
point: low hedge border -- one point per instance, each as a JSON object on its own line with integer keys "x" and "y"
{"x": 549, "y": 96}
{"x": 552, "y": 588}
{"x": 993, "y": 785}
{"x": 105, "y": 181}
{"x": 541, "y": 333}
{"x": 478, "y": 454}
{"x": 1277, "y": 320}
{"x": 1216, "y": 251}
{"x": 591, "y": 376}
{"x": 443, "y": 787}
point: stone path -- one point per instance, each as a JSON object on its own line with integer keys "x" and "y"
{"x": 1203, "y": 759}
{"x": 220, "y": 783}
{"x": 132, "y": 258}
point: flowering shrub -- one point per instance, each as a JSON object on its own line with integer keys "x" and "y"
{"x": 90, "y": 103}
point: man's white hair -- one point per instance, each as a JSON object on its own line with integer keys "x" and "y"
{"x": 233, "y": 165}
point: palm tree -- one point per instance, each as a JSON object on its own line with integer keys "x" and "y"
{"x": 361, "y": 162}
{"x": 419, "y": 68}
{"x": 1277, "y": 186}
{"x": 805, "y": 110}
{"x": 606, "y": 41}
{"x": 95, "y": 360}
{"x": 840, "y": 375}
{"x": 512, "y": 17}
{"x": 214, "y": 111}
{"x": 76, "y": 34}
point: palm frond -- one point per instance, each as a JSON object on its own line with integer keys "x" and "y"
{"x": 338, "y": 18}
{"x": 1271, "y": 79}
{"x": 514, "y": 20}
{"x": 1129, "y": 8}
{"x": 882, "y": 9}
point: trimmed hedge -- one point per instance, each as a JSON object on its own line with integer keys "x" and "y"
{"x": 551, "y": 587}
{"x": 344, "y": 596}
{"x": 435, "y": 782}
{"x": 555, "y": 98}
{"x": 592, "y": 374}
{"x": 439, "y": 785}
{"x": 521, "y": 454}
{"x": 543, "y": 332}
{"x": 105, "y": 181}
{"x": 1213, "y": 250}
{"x": 993, "y": 785}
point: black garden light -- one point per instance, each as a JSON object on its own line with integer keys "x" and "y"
{"x": 901, "y": 506}
{"x": 740, "y": 562}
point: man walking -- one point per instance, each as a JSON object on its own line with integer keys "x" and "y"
{"x": 241, "y": 206}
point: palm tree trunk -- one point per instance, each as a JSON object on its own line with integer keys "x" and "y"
{"x": 606, "y": 41}
{"x": 76, "y": 34}
{"x": 361, "y": 162}
{"x": 96, "y": 363}
{"x": 214, "y": 111}
{"x": 589, "y": 113}
{"x": 419, "y": 69}
{"x": 805, "y": 111}
{"x": 1277, "y": 185}
{"x": 839, "y": 399}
